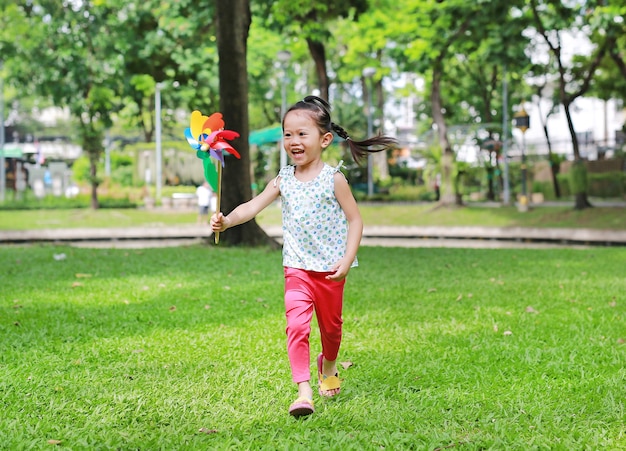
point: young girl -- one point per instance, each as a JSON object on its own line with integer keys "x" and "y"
{"x": 322, "y": 230}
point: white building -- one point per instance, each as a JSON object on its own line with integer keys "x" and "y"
{"x": 598, "y": 125}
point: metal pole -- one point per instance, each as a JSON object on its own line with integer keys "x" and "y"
{"x": 107, "y": 153}
{"x": 2, "y": 158}
{"x": 283, "y": 57}
{"x": 506, "y": 194}
{"x": 370, "y": 158}
{"x": 283, "y": 111}
{"x": 157, "y": 102}
{"x": 524, "y": 190}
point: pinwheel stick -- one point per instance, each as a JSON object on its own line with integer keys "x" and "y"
{"x": 219, "y": 196}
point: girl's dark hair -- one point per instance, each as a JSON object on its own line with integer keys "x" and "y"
{"x": 320, "y": 110}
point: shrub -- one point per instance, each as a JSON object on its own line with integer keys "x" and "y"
{"x": 547, "y": 188}
{"x": 30, "y": 202}
{"x": 408, "y": 175}
{"x": 112, "y": 202}
{"x": 64, "y": 203}
{"x": 119, "y": 159}
{"x": 607, "y": 185}
{"x": 563, "y": 180}
{"x": 122, "y": 175}
{"x": 410, "y": 193}
{"x": 80, "y": 169}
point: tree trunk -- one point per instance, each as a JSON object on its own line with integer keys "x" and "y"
{"x": 233, "y": 23}
{"x": 318, "y": 53}
{"x": 448, "y": 194}
{"x": 617, "y": 58}
{"x": 582, "y": 201}
{"x": 554, "y": 166}
{"x": 92, "y": 145}
{"x": 491, "y": 194}
{"x": 554, "y": 170}
{"x": 93, "y": 176}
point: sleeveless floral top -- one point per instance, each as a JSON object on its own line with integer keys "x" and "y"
{"x": 315, "y": 228}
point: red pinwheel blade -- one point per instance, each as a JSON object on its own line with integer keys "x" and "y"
{"x": 228, "y": 134}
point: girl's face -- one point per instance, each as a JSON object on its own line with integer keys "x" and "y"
{"x": 303, "y": 140}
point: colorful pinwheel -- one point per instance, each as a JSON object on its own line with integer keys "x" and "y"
{"x": 206, "y": 135}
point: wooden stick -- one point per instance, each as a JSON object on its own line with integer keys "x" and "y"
{"x": 219, "y": 196}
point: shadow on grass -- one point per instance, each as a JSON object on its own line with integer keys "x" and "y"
{"x": 96, "y": 294}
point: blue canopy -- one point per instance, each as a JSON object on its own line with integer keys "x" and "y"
{"x": 12, "y": 152}
{"x": 266, "y": 135}
{"x": 272, "y": 135}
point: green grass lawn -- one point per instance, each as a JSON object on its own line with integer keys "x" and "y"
{"x": 373, "y": 214}
{"x": 184, "y": 349}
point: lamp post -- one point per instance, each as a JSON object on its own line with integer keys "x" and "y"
{"x": 506, "y": 195}
{"x": 522, "y": 122}
{"x": 2, "y": 159}
{"x": 157, "y": 125}
{"x": 107, "y": 153}
{"x": 368, "y": 73}
{"x": 283, "y": 57}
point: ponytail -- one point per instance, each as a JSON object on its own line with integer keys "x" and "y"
{"x": 320, "y": 110}
{"x": 360, "y": 149}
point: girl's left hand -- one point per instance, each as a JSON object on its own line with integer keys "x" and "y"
{"x": 340, "y": 271}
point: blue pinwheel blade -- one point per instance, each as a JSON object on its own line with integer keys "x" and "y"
{"x": 193, "y": 142}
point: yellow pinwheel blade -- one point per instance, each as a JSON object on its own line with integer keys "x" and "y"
{"x": 196, "y": 123}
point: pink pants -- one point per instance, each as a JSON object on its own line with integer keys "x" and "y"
{"x": 306, "y": 291}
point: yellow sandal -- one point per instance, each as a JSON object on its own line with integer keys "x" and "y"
{"x": 327, "y": 383}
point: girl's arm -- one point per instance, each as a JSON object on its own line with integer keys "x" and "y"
{"x": 355, "y": 226}
{"x": 246, "y": 211}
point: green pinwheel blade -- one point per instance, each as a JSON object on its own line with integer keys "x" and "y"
{"x": 210, "y": 173}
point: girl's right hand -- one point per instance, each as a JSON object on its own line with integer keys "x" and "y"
{"x": 218, "y": 222}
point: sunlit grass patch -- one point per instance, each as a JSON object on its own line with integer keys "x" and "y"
{"x": 184, "y": 348}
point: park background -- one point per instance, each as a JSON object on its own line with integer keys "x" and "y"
{"x": 522, "y": 101}
{"x": 183, "y": 347}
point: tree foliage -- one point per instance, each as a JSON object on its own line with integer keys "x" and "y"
{"x": 172, "y": 43}
{"x": 102, "y": 60}
{"x": 607, "y": 20}
{"x": 443, "y": 33}
{"x": 310, "y": 20}
{"x": 75, "y": 66}
{"x": 553, "y": 21}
